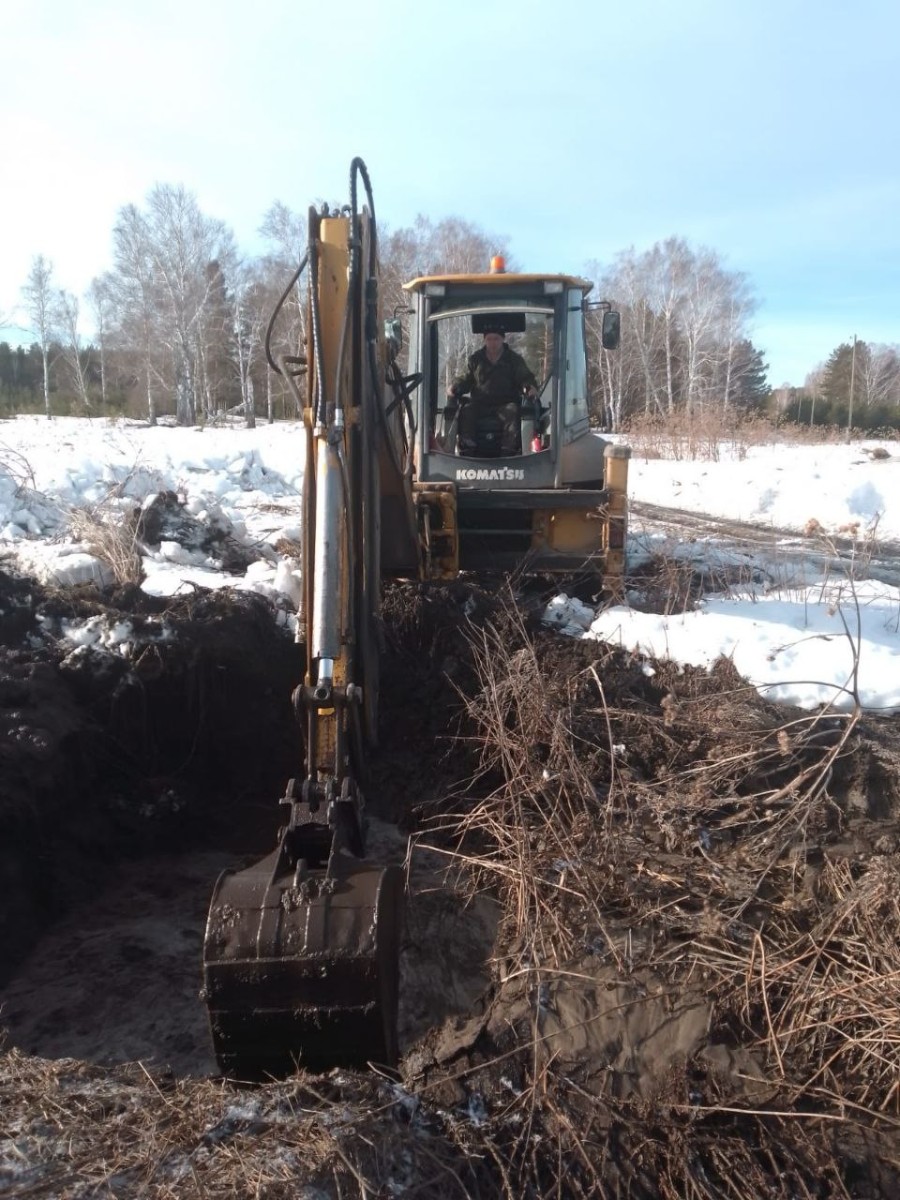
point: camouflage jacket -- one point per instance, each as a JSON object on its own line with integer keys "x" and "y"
{"x": 498, "y": 382}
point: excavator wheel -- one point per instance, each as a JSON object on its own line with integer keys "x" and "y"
{"x": 301, "y": 967}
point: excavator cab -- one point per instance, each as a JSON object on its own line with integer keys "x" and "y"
{"x": 534, "y": 486}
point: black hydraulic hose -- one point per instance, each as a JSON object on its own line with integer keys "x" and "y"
{"x": 348, "y": 306}
{"x": 358, "y": 168}
{"x": 277, "y": 310}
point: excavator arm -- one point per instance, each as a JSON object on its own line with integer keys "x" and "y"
{"x": 301, "y": 950}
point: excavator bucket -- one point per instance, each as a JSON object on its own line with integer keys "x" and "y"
{"x": 300, "y": 967}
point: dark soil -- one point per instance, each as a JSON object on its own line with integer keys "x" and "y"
{"x": 186, "y": 742}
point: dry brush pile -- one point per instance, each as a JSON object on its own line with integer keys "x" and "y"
{"x": 701, "y": 951}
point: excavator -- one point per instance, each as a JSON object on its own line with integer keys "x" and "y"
{"x": 301, "y": 951}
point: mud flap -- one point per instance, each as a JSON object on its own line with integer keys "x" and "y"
{"x": 301, "y": 968}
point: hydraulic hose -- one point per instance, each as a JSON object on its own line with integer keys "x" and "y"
{"x": 358, "y": 168}
{"x": 277, "y": 310}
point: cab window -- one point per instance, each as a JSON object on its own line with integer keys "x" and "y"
{"x": 576, "y": 361}
{"x": 454, "y": 340}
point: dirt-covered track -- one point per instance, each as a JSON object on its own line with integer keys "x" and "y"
{"x": 877, "y": 558}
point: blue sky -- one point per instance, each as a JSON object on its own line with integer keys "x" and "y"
{"x": 769, "y": 131}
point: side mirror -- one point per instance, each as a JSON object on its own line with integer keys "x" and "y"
{"x": 393, "y": 332}
{"x": 611, "y": 331}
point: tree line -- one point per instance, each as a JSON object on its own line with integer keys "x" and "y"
{"x": 178, "y": 325}
{"x": 858, "y": 386}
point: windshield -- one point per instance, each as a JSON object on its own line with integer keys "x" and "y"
{"x": 480, "y": 422}
{"x": 455, "y": 340}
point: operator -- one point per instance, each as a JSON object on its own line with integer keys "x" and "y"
{"x": 495, "y": 378}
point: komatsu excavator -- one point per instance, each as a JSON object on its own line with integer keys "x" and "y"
{"x": 301, "y": 953}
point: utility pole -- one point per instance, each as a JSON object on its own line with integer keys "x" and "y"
{"x": 852, "y": 382}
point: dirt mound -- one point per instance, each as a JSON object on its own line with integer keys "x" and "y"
{"x": 653, "y": 919}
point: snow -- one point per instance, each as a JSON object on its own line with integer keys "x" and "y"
{"x": 800, "y": 650}
{"x": 801, "y": 631}
{"x": 838, "y": 486}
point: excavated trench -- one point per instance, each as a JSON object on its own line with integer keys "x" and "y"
{"x": 130, "y": 782}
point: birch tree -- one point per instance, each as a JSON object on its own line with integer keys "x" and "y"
{"x": 133, "y": 287}
{"x": 684, "y": 321}
{"x": 164, "y": 257}
{"x": 880, "y": 375}
{"x": 252, "y": 305}
{"x": 40, "y": 306}
{"x": 100, "y": 299}
{"x": 214, "y": 341}
{"x": 73, "y": 348}
{"x": 452, "y": 246}
{"x": 183, "y": 243}
{"x": 628, "y": 282}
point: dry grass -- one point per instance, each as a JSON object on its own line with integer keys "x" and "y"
{"x": 702, "y": 436}
{"x": 695, "y": 837}
{"x": 14, "y": 464}
{"x": 78, "y": 1131}
{"x": 112, "y": 539}
{"x": 705, "y": 435}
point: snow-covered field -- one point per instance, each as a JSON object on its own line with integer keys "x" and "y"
{"x": 809, "y": 638}
{"x": 844, "y": 488}
{"x": 802, "y": 631}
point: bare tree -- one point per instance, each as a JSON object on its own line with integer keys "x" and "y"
{"x": 684, "y": 339}
{"x": 452, "y": 246}
{"x": 642, "y": 345}
{"x": 881, "y": 375}
{"x": 73, "y": 349}
{"x": 169, "y": 261}
{"x": 100, "y": 297}
{"x": 253, "y": 301}
{"x": 40, "y": 306}
{"x": 214, "y": 341}
{"x": 183, "y": 244}
{"x": 286, "y": 231}
{"x": 814, "y": 386}
{"x": 133, "y": 288}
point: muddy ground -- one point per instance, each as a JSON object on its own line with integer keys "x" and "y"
{"x": 652, "y": 919}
